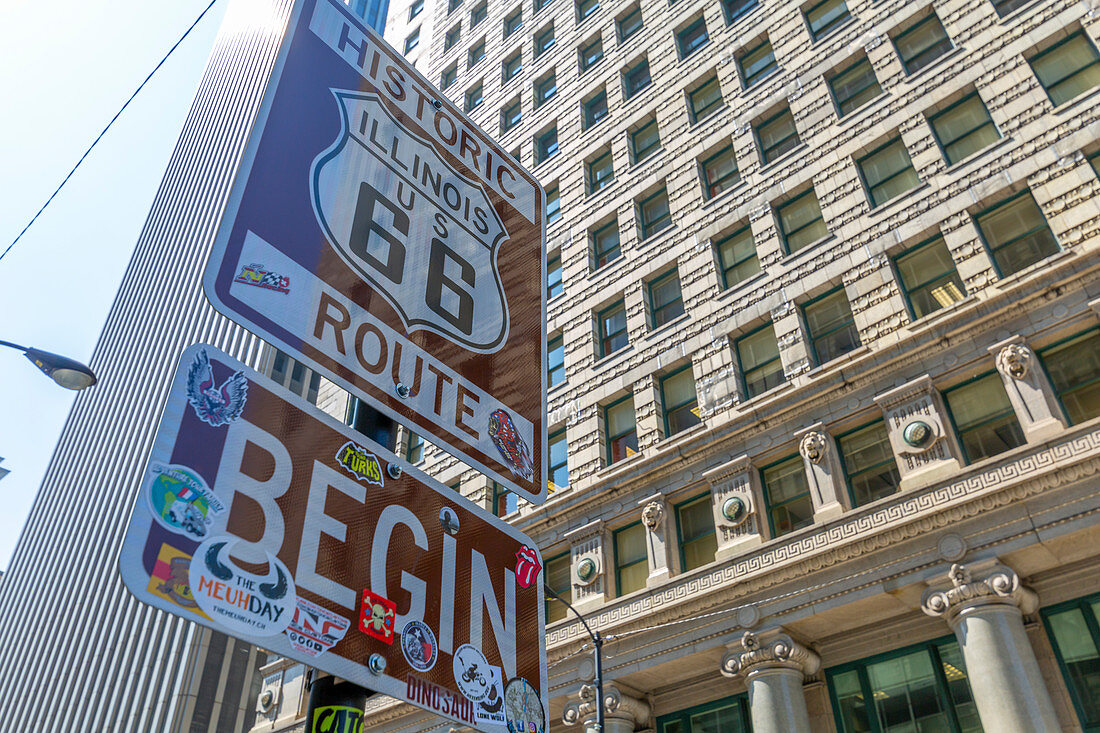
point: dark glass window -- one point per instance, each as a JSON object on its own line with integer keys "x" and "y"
{"x": 636, "y": 78}
{"x": 475, "y": 97}
{"x": 826, "y": 16}
{"x": 478, "y": 14}
{"x": 559, "y": 461}
{"x": 412, "y": 41}
{"x": 887, "y": 172}
{"x": 832, "y": 328}
{"x": 453, "y": 5}
{"x": 631, "y": 563}
{"x": 414, "y": 448}
{"x": 553, "y": 204}
{"x": 756, "y": 62}
{"x": 585, "y": 8}
{"x": 653, "y": 214}
{"x": 448, "y": 77}
{"x": 630, "y": 23}
{"x": 692, "y": 38}
{"x": 453, "y": 37}
{"x": 1068, "y": 68}
{"x": 698, "y": 540}
{"x": 777, "y": 135}
{"x": 728, "y": 715}
{"x": 416, "y": 8}
{"x": 921, "y": 44}
{"x": 645, "y": 141}
{"x": 504, "y": 501}
{"x": 595, "y": 109}
{"x": 1016, "y": 234}
{"x": 1074, "y": 369}
{"x": 546, "y": 146}
{"x": 558, "y": 578}
{"x": 605, "y": 244}
{"x": 1074, "y": 630}
{"x": 591, "y": 54}
{"x": 555, "y": 360}
{"x": 553, "y": 277}
{"x": 719, "y": 172}
{"x": 540, "y": 4}
{"x": 513, "y": 22}
{"x": 854, "y": 86}
{"x": 868, "y": 462}
{"x": 666, "y": 301}
{"x": 705, "y": 99}
{"x": 511, "y": 67}
{"x": 1004, "y": 7}
{"x": 787, "y": 496}
{"x": 545, "y": 88}
{"x": 612, "y": 325}
{"x": 758, "y": 355}
{"x": 476, "y": 53}
{"x": 510, "y": 116}
{"x": 800, "y": 221}
{"x": 737, "y": 258}
{"x": 544, "y": 40}
{"x": 601, "y": 172}
{"x": 983, "y": 417}
{"x": 964, "y": 128}
{"x": 680, "y": 403}
{"x": 621, "y": 430}
{"x": 734, "y": 9}
{"x": 928, "y": 277}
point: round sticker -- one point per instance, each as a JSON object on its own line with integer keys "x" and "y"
{"x": 180, "y": 500}
{"x": 245, "y": 603}
{"x": 472, "y": 674}
{"x": 418, "y": 645}
{"x": 523, "y": 708}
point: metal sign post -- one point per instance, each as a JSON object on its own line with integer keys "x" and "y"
{"x": 378, "y": 235}
{"x": 266, "y": 519}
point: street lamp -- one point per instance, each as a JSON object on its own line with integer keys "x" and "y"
{"x": 597, "y": 642}
{"x": 67, "y": 372}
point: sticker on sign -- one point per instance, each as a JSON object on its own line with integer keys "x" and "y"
{"x": 378, "y": 235}
{"x": 302, "y": 542}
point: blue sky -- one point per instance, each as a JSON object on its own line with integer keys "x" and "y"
{"x": 68, "y": 67}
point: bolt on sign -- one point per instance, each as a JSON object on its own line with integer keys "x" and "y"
{"x": 378, "y": 235}
{"x": 266, "y": 519}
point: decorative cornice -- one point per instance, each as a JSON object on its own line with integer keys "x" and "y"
{"x": 995, "y": 585}
{"x": 618, "y": 702}
{"x": 734, "y": 467}
{"x": 905, "y": 393}
{"x": 773, "y": 649}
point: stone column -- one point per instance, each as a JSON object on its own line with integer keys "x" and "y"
{"x": 624, "y": 709}
{"x": 984, "y": 605}
{"x": 823, "y": 473}
{"x": 1029, "y": 390}
{"x": 655, "y": 519}
{"x": 774, "y": 666}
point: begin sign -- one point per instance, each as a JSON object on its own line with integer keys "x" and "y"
{"x": 266, "y": 519}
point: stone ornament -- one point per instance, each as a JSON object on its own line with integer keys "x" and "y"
{"x": 734, "y": 510}
{"x": 812, "y": 447}
{"x": 653, "y": 514}
{"x": 772, "y": 650}
{"x": 618, "y": 702}
{"x": 996, "y": 585}
{"x": 917, "y": 434}
{"x": 587, "y": 570}
{"x": 1015, "y": 360}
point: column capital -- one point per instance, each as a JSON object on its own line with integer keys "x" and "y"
{"x": 978, "y": 585}
{"x": 619, "y": 702}
{"x": 772, "y": 649}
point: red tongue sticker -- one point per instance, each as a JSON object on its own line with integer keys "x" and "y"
{"x": 527, "y": 566}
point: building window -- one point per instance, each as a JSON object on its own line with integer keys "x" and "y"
{"x": 832, "y": 328}
{"x": 476, "y": 54}
{"x": 553, "y": 277}
{"x": 605, "y": 244}
{"x": 918, "y": 688}
{"x": 513, "y": 22}
{"x": 558, "y": 578}
{"x": 728, "y": 715}
{"x": 928, "y": 278}
{"x": 1016, "y": 234}
{"x": 758, "y": 356}
{"x": 868, "y": 461}
{"x": 825, "y": 16}
{"x": 544, "y": 41}
{"x": 737, "y": 258}
{"x": 553, "y": 204}
{"x": 705, "y": 99}
{"x": 695, "y": 528}
{"x": 630, "y": 23}
{"x": 1004, "y": 7}
{"x": 645, "y": 141}
{"x": 921, "y": 44}
{"x": 510, "y": 116}
{"x": 631, "y": 561}
{"x": 591, "y": 54}
{"x": 585, "y": 9}
{"x": 296, "y": 377}
{"x": 600, "y": 172}
{"x": 777, "y": 135}
{"x": 679, "y": 400}
{"x": 621, "y": 431}
{"x": 559, "y": 461}
{"x": 540, "y": 4}
{"x": 1068, "y": 68}
{"x": 546, "y": 145}
{"x": 735, "y": 9}
{"x": 666, "y": 301}
{"x": 448, "y": 77}
{"x": 612, "y": 326}
{"x": 1094, "y": 162}
{"x": 475, "y": 97}
{"x": 756, "y": 62}
{"x": 555, "y": 360}
{"x": 595, "y": 109}
{"x": 504, "y": 501}
{"x": 636, "y": 78}
{"x": 854, "y": 86}
{"x": 511, "y": 67}
{"x": 545, "y": 88}
{"x": 453, "y": 5}
{"x": 887, "y": 172}
{"x": 1074, "y": 369}
{"x": 414, "y": 448}
{"x": 416, "y": 8}
{"x": 692, "y": 38}
{"x": 787, "y": 496}
{"x": 719, "y": 172}
{"x": 452, "y": 38}
{"x": 800, "y": 221}
{"x": 983, "y": 417}
{"x": 1074, "y": 631}
{"x": 964, "y": 128}
{"x": 478, "y": 14}
{"x": 412, "y": 41}
{"x": 653, "y": 214}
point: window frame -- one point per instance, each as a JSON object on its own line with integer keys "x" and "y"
{"x": 604, "y": 340}
{"x": 586, "y": 9}
{"x": 683, "y": 33}
{"x": 416, "y": 9}
{"x": 615, "y": 533}
{"x": 620, "y": 23}
{"x": 698, "y": 115}
{"x": 784, "y": 236}
{"x": 544, "y": 34}
{"x": 746, "y": 82}
{"x": 609, "y": 452}
{"x": 820, "y": 33}
{"x": 506, "y": 123}
{"x": 907, "y": 291}
{"x": 515, "y": 15}
{"x": 476, "y": 54}
{"x": 591, "y": 108}
{"x": 539, "y": 147}
{"x": 743, "y": 372}
{"x": 672, "y": 273}
{"x": 905, "y": 63}
{"x": 583, "y": 53}
{"x": 500, "y": 492}
{"x": 469, "y": 104}
{"x": 812, "y": 339}
{"x": 597, "y": 252}
{"x": 994, "y": 375}
{"x": 698, "y": 498}
{"x": 748, "y": 7}
{"x": 478, "y": 13}
{"x": 734, "y": 177}
{"x": 869, "y": 189}
{"x": 667, "y": 409}
{"x": 647, "y": 227}
{"x": 448, "y": 76}
{"x": 629, "y": 88}
{"x": 1054, "y": 47}
{"x": 723, "y": 271}
{"x": 768, "y": 506}
{"x": 550, "y": 467}
{"x": 992, "y": 252}
{"x": 414, "y": 444}
{"x": 944, "y": 145}
{"x": 507, "y": 73}
{"x": 756, "y": 128}
{"x": 683, "y": 717}
{"x": 593, "y": 185}
{"x": 551, "y": 346}
{"x": 1093, "y": 331}
{"x": 452, "y": 37}
{"x": 1083, "y": 603}
{"x": 639, "y": 156}
{"x": 414, "y": 39}
{"x": 838, "y": 103}
{"x": 848, "y": 473}
{"x": 551, "y": 281}
{"x": 553, "y": 203}
{"x": 546, "y": 88}
{"x": 568, "y": 556}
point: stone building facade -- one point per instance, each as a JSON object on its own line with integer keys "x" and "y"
{"x": 825, "y": 355}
